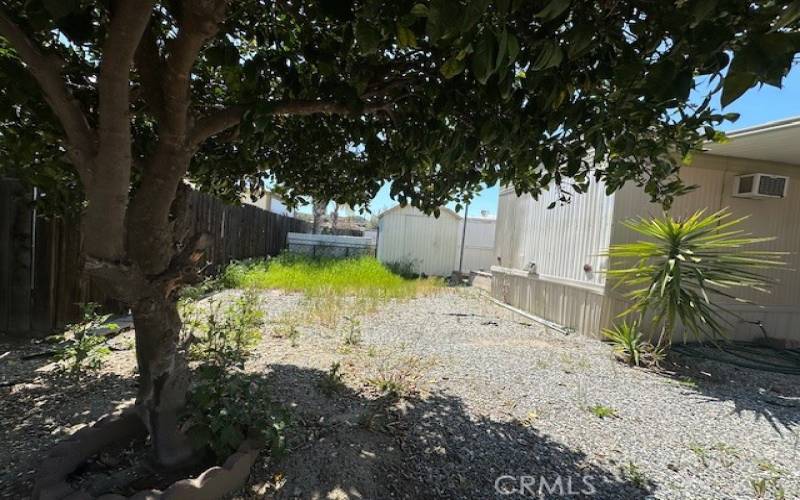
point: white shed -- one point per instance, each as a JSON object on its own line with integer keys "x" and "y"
{"x": 407, "y": 235}
{"x": 478, "y": 245}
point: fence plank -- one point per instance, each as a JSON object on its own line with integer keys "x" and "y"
{"x": 51, "y": 300}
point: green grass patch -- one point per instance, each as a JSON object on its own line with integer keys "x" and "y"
{"x": 363, "y": 276}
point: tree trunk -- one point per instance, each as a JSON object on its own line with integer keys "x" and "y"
{"x": 318, "y": 210}
{"x": 163, "y": 376}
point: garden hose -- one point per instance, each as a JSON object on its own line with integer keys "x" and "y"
{"x": 746, "y": 355}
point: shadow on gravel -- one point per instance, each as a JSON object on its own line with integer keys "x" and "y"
{"x": 349, "y": 446}
{"x": 774, "y": 397}
{"x": 45, "y": 408}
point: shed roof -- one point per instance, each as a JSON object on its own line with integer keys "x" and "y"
{"x": 777, "y": 141}
{"x": 442, "y": 210}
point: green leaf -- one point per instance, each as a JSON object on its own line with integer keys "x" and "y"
{"x": 579, "y": 38}
{"x": 553, "y": 9}
{"x": 452, "y": 67}
{"x": 549, "y": 55}
{"x": 502, "y": 48}
{"x": 420, "y": 10}
{"x": 789, "y": 16}
{"x": 512, "y": 48}
{"x": 405, "y": 37}
{"x": 483, "y": 58}
{"x": 368, "y": 37}
{"x": 735, "y": 85}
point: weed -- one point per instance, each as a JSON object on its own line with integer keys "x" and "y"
{"x": 287, "y": 328}
{"x": 688, "y": 382}
{"x": 332, "y": 381}
{"x": 391, "y": 384}
{"x": 634, "y": 474}
{"x": 530, "y": 418}
{"x": 406, "y": 269}
{"x": 352, "y": 336}
{"x": 602, "y": 411}
{"x": 728, "y": 453}
{"x": 363, "y": 276}
{"x": 700, "y": 452}
{"x": 83, "y": 350}
{"x": 229, "y": 332}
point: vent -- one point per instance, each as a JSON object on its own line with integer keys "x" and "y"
{"x": 760, "y": 186}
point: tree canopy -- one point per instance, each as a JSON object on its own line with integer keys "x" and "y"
{"x": 331, "y": 98}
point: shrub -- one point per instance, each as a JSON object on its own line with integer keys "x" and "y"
{"x": 223, "y": 409}
{"x": 229, "y": 332}
{"x": 406, "y": 269}
{"x": 84, "y": 351}
{"x": 630, "y": 346}
{"x": 688, "y": 268}
{"x": 226, "y": 406}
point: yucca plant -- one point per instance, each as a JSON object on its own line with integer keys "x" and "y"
{"x": 689, "y": 271}
{"x": 630, "y": 345}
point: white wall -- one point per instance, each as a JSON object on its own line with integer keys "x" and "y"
{"x": 408, "y": 235}
{"x": 561, "y": 240}
{"x": 479, "y": 244}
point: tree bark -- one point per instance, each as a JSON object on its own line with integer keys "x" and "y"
{"x": 163, "y": 376}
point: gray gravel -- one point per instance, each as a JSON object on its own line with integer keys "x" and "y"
{"x": 705, "y": 430}
{"x": 483, "y": 394}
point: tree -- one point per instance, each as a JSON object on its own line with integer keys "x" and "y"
{"x": 120, "y": 101}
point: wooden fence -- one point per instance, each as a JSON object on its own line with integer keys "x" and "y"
{"x": 40, "y": 277}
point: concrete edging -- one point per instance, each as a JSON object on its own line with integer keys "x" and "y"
{"x": 51, "y": 479}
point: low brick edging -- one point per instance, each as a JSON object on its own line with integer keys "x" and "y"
{"x": 68, "y": 455}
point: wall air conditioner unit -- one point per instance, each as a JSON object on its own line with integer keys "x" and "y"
{"x": 760, "y": 186}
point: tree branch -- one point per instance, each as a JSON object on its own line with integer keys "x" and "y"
{"x": 128, "y": 21}
{"x": 225, "y": 118}
{"x": 46, "y": 69}
{"x": 149, "y": 65}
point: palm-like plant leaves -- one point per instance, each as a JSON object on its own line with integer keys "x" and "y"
{"x": 688, "y": 270}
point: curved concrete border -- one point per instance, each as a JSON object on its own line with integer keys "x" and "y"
{"x": 68, "y": 455}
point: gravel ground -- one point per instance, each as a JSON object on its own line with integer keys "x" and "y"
{"x": 479, "y": 394}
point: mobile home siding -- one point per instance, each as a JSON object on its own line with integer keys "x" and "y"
{"x": 564, "y": 294}
{"x": 560, "y": 241}
{"x": 779, "y": 218}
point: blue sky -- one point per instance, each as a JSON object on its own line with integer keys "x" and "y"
{"x": 759, "y": 105}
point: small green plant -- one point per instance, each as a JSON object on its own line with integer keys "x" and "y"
{"x": 287, "y": 328}
{"x": 229, "y": 331}
{"x": 688, "y": 269}
{"x": 602, "y": 411}
{"x": 209, "y": 285}
{"x": 700, "y": 452}
{"x": 390, "y": 384}
{"x": 630, "y": 346}
{"x": 634, "y": 474}
{"x": 225, "y": 408}
{"x": 332, "y": 382}
{"x": 83, "y": 350}
{"x": 406, "y": 269}
{"x": 688, "y": 382}
{"x": 352, "y": 336}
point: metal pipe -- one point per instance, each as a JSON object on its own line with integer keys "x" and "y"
{"x": 463, "y": 239}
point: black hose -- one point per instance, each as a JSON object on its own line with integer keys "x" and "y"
{"x": 746, "y": 355}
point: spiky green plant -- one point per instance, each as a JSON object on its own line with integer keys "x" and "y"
{"x": 630, "y": 346}
{"x": 689, "y": 271}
